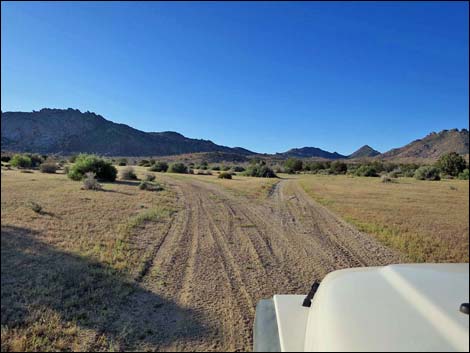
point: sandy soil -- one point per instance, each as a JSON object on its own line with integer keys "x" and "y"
{"x": 224, "y": 252}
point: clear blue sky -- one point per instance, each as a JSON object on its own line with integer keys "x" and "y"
{"x": 265, "y": 76}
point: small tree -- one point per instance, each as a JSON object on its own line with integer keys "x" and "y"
{"x": 338, "y": 167}
{"x": 293, "y": 165}
{"x": 451, "y": 164}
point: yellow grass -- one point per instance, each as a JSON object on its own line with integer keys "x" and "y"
{"x": 71, "y": 260}
{"x": 426, "y": 220}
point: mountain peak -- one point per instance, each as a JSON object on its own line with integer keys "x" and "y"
{"x": 363, "y": 152}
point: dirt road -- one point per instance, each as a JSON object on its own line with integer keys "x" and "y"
{"x": 223, "y": 252}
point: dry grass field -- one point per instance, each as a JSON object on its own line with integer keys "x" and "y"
{"x": 183, "y": 268}
{"x": 426, "y": 220}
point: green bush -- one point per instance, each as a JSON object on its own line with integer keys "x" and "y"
{"x": 293, "y": 165}
{"x": 225, "y": 168}
{"x": 225, "y": 175}
{"x": 366, "y": 171}
{"x": 178, "y": 168}
{"x": 21, "y": 161}
{"x": 128, "y": 174}
{"x": 238, "y": 169}
{"x": 427, "y": 173}
{"x": 48, "y": 167}
{"x": 338, "y": 167}
{"x": 451, "y": 164}
{"x": 73, "y": 158}
{"x": 85, "y": 163}
{"x": 260, "y": 171}
{"x": 159, "y": 167}
{"x": 464, "y": 175}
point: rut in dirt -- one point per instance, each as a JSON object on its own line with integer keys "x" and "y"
{"x": 222, "y": 253}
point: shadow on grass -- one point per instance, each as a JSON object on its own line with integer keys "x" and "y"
{"x": 126, "y": 182}
{"x": 36, "y": 277}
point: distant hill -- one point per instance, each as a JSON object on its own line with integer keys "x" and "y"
{"x": 310, "y": 152}
{"x": 363, "y": 152}
{"x": 67, "y": 131}
{"x": 432, "y": 146}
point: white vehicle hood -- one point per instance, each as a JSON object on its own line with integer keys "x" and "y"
{"x": 392, "y": 308}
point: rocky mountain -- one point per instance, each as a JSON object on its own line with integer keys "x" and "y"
{"x": 310, "y": 152}
{"x": 364, "y": 152}
{"x": 68, "y": 131}
{"x": 432, "y": 146}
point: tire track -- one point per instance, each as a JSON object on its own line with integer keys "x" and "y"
{"x": 222, "y": 253}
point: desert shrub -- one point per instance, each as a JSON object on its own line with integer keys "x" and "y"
{"x": 464, "y": 175}
{"x": 5, "y": 159}
{"x": 36, "y": 159}
{"x": 122, "y": 162}
{"x": 159, "y": 167}
{"x": 225, "y": 168}
{"x": 48, "y": 167}
{"x": 178, "y": 168}
{"x": 225, "y": 175}
{"x": 204, "y": 172}
{"x": 215, "y": 167}
{"x": 66, "y": 169}
{"x": 315, "y": 166}
{"x": 34, "y": 206}
{"x": 128, "y": 174}
{"x": 149, "y": 186}
{"x": 144, "y": 163}
{"x": 386, "y": 179}
{"x": 338, "y": 167}
{"x": 90, "y": 182}
{"x": 85, "y": 163}
{"x": 149, "y": 177}
{"x": 427, "y": 173}
{"x": 293, "y": 165}
{"x": 238, "y": 169}
{"x": 397, "y": 172}
{"x": 451, "y": 164}
{"x": 366, "y": 171}
{"x": 408, "y": 170}
{"x": 324, "y": 172}
{"x": 21, "y": 161}
{"x": 261, "y": 171}
{"x": 73, "y": 158}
